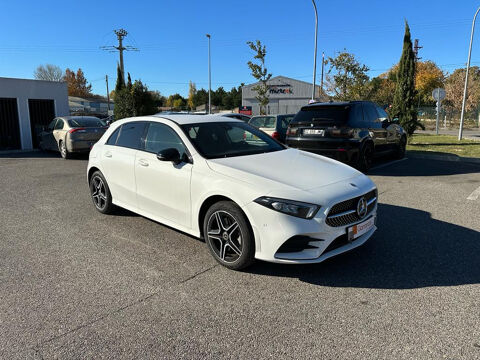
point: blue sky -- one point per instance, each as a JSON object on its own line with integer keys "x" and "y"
{"x": 173, "y": 46}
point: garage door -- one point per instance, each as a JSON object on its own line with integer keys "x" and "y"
{"x": 41, "y": 113}
{"x": 9, "y": 128}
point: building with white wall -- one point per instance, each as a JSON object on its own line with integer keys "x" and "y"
{"x": 25, "y": 107}
{"x": 286, "y": 95}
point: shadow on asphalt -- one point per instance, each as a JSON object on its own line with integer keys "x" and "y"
{"x": 424, "y": 167}
{"x": 409, "y": 250}
{"x": 40, "y": 155}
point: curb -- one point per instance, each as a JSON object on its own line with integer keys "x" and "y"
{"x": 442, "y": 157}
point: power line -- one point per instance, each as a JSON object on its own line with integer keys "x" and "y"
{"x": 121, "y": 33}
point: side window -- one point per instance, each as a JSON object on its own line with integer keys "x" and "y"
{"x": 258, "y": 122}
{"x": 51, "y": 125}
{"x": 371, "y": 116}
{"x": 131, "y": 135}
{"x": 160, "y": 137}
{"x": 356, "y": 117}
{"x": 382, "y": 113}
{"x": 59, "y": 124}
{"x": 113, "y": 138}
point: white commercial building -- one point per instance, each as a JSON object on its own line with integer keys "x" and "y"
{"x": 26, "y": 106}
{"x": 286, "y": 95}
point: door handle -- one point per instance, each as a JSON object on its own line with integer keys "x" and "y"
{"x": 143, "y": 162}
{"x": 108, "y": 154}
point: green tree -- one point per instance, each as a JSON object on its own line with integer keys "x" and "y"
{"x": 217, "y": 96}
{"x": 143, "y": 99}
{"x": 403, "y": 105}
{"x": 176, "y": 101}
{"x": 201, "y": 98}
{"x": 349, "y": 79}
{"x": 120, "y": 80}
{"x": 260, "y": 73}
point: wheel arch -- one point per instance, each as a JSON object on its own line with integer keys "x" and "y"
{"x": 91, "y": 171}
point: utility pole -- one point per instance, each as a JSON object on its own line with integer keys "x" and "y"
{"x": 415, "y": 50}
{"x": 209, "y": 78}
{"x": 121, "y": 33}
{"x": 108, "y": 94}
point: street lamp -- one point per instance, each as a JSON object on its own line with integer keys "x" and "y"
{"x": 315, "y": 53}
{"x": 209, "y": 78}
{"x": 466, "y": 77}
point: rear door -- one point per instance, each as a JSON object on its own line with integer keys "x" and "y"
{"x": 378, "y": 133}
{"x": 163, "y": 188}
{"x": 118, "y": 161}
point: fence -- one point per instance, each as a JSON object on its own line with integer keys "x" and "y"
{"x": 449, "y": 117}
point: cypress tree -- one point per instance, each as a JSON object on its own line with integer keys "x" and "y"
{"x": 120, "y": 80}
{"x": 404, "y": 98}
{"x": 129, "y": 82}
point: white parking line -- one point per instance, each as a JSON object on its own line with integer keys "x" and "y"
{"x": 474, "y": 195}
{"x": 387, "y": 164}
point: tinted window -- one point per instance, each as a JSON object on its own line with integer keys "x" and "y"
{"x": 86, "y": 122}
{"x": 59, "y": 124}
{"x": 283, "y": 121}
{"x": 226, "y": 139}
{"x": 370, "y": 115}
{"x": 131, "y": 135}
{"x": 113, "y": 138}
{"x": 160, "y": 137}
{"x": 326, "y": 115}
{"x": 52, "y": 124}
{"x": 382, "y": 113}
{"x": 356, "y": 117}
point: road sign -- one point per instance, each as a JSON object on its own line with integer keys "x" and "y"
{"x": 439, "y": 94}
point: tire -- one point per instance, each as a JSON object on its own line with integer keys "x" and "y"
{"x": 100, "y": 193}
{"x": 63, "y": 150}
{"x": 228, "y": 235}
{"x": 365, "y": 157}
{"x": 401, "y": 148}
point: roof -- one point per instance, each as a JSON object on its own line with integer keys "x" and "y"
{"x": 334, "y": 103}
{"x": 281, "y": 77}
{"x": 192, "y": 119}
{"x": 78, "y": 117}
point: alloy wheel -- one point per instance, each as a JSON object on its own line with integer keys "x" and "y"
{"x": 225, "y": 236}
{"x": 63, "y": 149}
{"x": 99, "y": 192}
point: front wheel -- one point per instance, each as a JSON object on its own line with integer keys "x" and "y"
{"x": 101, "y": 196}
{"x": 228, "y": 235}
{"x": 401, "y": 148}
{"x": 365, "y": 157}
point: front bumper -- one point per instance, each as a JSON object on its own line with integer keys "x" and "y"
{"x": 274, "y": 229}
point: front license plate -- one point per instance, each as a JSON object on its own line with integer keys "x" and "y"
{"x": 358, "y": 230}
{"x": 319, "y": 132}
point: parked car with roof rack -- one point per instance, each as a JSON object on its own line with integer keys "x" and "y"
{"x": 353, "y": 132}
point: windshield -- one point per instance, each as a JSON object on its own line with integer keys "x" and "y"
{"x": 226, "y": 139}
{"x": 85, "y": 122}
{"x": 328, "y": 115}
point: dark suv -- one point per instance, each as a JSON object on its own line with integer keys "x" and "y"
{"x": 353, "y": 132}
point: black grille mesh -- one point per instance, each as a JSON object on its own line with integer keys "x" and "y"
{"x": 347, "y": 205}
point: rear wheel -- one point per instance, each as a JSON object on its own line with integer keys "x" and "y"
{"x": 63, "y": 150}
{"x": 365, "y": 157}
{"x": 401, "y": 148}
{"x": 228, "y": 235}
{"x": 101, "y": 196}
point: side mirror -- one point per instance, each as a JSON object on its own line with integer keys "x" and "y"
{"x": 170, "y": 154}
{"x": 395, "y": 120}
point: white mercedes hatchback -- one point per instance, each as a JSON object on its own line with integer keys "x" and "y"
{"x": 225, "y": 181}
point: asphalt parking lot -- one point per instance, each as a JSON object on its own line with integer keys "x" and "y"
{"x": 78, "y": 284}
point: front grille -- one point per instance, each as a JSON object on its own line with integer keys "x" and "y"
{"x": 345, "y": 212}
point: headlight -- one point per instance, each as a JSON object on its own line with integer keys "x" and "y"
{"x": 290, "y": 207}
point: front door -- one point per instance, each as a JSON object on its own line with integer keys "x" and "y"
{"x": 163, "y": 188}
{"x": 47, "y": 141}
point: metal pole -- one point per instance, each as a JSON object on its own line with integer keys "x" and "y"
{"x": 209, "y": 78}
{"x": 321, "y": 83}
{"x": 108, "y": 94}
{"x": 315, "y": 53}
{"x": 438, "y": 117}
{"x": 466, "y": 77}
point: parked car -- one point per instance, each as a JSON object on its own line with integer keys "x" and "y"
{"x": 71, "y": 134}
{"x": 242, "y": 117}
{"x": 246, "y": 199}
{"x": 274, "y": 125}
{"x": 353, "y": 132}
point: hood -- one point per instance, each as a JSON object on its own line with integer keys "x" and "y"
{"x": 290, "y": 168}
